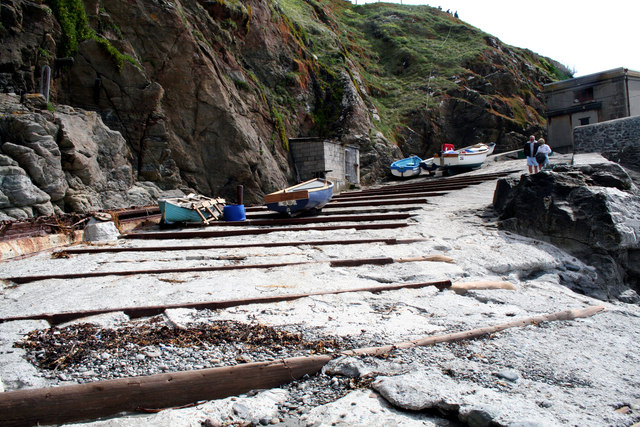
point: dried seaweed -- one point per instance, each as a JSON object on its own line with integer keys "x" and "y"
{"x": 61, "y": 347}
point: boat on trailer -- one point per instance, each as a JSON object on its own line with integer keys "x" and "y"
{"x": 303, "y": 197}
{"x": 406, "y": 168}
{"x": 191, "y": 208}
{"x": 470, "y": 157}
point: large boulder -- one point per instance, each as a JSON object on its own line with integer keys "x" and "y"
{"x": 63, "y": 162}
{"x": 29, "y": 139}
{"x": 593, "y": 211}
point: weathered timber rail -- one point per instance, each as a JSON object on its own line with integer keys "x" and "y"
{"x": 439, "y": 185}
{"x": 312, "y": 220}
{"x": 373, "y": 210}
{"x": 256, "y": 231}
{"x": 374, "y": 203}
{"x": 333, "y": 263}
{"x": 137, "y": 213}
{"x": 410, "y": 194}
{"x": 63, "y": 404}
{"x": 401, "y": 190}
{"x": 350, "y": 204}
{"x": 106, "y": 249}
{"x": 145, "y": 311}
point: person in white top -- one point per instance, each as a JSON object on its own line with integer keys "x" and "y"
{"x": 543, "y": 151}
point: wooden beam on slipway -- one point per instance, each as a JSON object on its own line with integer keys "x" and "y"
{"x": 333, "y": 263}
{"x": 313, "y": 220}
{"x": 146, "y": 311}
{"x": 112, "y": 249}
{"x": 256, "y": 231}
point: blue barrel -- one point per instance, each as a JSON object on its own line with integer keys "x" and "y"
{"x": 233, "y": 213}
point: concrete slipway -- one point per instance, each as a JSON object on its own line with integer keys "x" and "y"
{"x": 581, "y": 372}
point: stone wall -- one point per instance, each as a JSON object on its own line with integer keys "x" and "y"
{"x": 317, "y": 158}
{"x": 334, "y": 163}
{"x": 309, "y": 158}
{"x": 617, "y": 140}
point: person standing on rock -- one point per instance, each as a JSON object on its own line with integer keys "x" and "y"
{"x": 542, "y": 157}
{"x": 530, "y": 150}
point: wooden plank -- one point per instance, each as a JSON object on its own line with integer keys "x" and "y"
{"x": 255, "y": 231}
{"x": 333, "y": 263}
{"x": 103, "y": 398}
{"x": 103, "y": 249}
{"x": 283, "y": 196}
{"x": 136, "y": 312}
{"x": 479, "y": 332}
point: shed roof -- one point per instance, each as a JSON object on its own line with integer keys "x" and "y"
{"x": 591, "y": 78}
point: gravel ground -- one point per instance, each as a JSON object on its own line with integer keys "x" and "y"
{"x": 581, "y": 372}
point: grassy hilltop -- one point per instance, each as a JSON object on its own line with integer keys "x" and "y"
{"x": 413, "y": 57}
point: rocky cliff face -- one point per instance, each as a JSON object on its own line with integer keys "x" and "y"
{"x": 205, "y": 94}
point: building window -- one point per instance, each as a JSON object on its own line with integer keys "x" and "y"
{"x": 584, "y": 121}
{"x": 583, "y": 95}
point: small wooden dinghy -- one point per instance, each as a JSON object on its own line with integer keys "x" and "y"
{"x": 191, "y": 208}
{"x": 406, "y": 167}
{"x": 308, "y": 195}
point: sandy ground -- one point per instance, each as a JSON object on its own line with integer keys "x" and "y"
{"x": 581, "y": 372}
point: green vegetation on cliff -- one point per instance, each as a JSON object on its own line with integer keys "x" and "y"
{"x": 412, "y": 57}
{"x": 72, "y": 16}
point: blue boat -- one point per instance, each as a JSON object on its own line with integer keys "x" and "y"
{"x": 406, "y": 167}
{"x": 306, "y": 196}
{"x": 191, "y": 208}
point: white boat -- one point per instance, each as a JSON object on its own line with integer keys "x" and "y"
{"x": 465, "y": 158}
{"x": 406, "y": 167}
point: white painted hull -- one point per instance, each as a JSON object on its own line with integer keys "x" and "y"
{"x": 406, "y": 173}
{"x": 468, "y": 158}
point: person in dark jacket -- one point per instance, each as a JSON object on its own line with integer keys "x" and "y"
{"x": 530, "y": 150}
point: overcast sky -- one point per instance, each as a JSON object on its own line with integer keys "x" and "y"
{"x": 587, "y": 36}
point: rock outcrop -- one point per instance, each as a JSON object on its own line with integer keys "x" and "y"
{"x": 63, "y": 162}
{"x": 593, "y": 211}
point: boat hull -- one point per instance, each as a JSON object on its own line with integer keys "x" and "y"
{"x": 406, "y": 168}
{"x": 306, "y": 196}
{"x": 466, "y": 158}
{"x": 185, "y": 209}
{"x": 173, "y": 213}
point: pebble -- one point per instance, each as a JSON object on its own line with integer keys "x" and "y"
{"x": 243, "y": 358}
{"x": 241, "y": 410}
{"x": 154, "y": 352}
{"x": 509, "y": 375}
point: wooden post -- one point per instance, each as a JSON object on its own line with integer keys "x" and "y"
{"x": 240, "y": 191}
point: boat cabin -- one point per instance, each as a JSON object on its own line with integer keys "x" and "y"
{"x": 324, "y": 158}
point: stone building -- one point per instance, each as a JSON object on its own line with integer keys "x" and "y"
{"x": 588, "y": 100}
{"x": 318, "y": 158}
